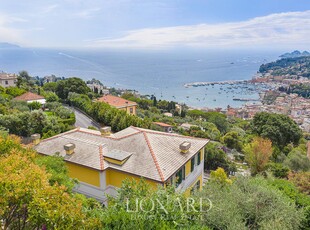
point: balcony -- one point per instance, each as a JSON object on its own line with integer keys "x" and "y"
{"x": 95, "y": 192}
{"x": 191, "y": 178}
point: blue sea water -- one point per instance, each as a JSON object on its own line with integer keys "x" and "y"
{"x": 162, "y": 73}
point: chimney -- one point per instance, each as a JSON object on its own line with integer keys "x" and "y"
{"x": 185, "y": 146}
{"x": 69, "y": 148}
{"x": 105, "y": 131}
{"x": 35, "y": 138}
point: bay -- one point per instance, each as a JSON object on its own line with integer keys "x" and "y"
{"x": 161, "y": 73}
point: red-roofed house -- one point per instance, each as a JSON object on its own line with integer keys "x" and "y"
{"x": 120, "y": 103}
{"x": 31, "y": 97}
{"x": 164, "y": 127}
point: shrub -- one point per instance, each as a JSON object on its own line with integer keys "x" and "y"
{"x": 297, "y": 162}
{"x": 34, "y": 105}
{"x": 278, "y": 170}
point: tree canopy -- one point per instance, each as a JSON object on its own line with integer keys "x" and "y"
{"x": 28, "y": 199}
{"x": 250, "y": 203}
{"x": 280, "y": 129}
{"x": 73, "y": 84}
{"x": 258, "y": 153}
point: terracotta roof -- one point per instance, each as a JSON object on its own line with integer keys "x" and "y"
{"x": 162, "y": 124}
{"x": 117, "y": 102}
{"x": 29, "y": 97}
{"x": 154, "y": 155}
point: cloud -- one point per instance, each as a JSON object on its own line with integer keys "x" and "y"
{"x": 87, "y": 13}
{"x": 48, "y": 9}
{"x": 8, "y": 33}
{"x": 282, "y": 29}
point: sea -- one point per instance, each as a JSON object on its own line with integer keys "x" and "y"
{"x": 161, "y": 73}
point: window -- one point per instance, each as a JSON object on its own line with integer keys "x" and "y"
{"x": 6, "y": 82}
{"x": 192, "y": 164}
{"x": 131, "y": 110}
{"x": 198, "y": 158}
{"x": 180, "y": 176}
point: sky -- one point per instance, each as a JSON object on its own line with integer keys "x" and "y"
{"x": 158, "y": 24}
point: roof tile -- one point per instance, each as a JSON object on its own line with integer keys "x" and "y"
{"x": 29, "y": 97}
{"x": 155, "y": 155}
{"x": 117, "y": 102}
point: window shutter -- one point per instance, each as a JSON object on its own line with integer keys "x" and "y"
{"x": 192, "y": 164}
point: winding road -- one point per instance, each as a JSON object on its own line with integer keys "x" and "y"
{"x": 83, "y": 120}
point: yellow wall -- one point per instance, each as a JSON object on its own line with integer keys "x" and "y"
{"x": 202, "y": 153}
{"x": 115, "y": 161}
{"x": 188, "y": 191}
{"x": 200, "y": 178}
{"x": 127, "y": 109}
{"x": 134, "y": 110}
{"x": 84, "y": 174}
{"x": 115, "y": 178}
{"x": 187, "y": 168}
{"x": 188, "y": 164}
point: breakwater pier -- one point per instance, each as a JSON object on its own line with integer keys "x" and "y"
{"x": 207, "y": 83}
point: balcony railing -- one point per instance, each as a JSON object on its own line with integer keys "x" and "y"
{"x": 191, "y": 178}
{"x": 95, "y": 192}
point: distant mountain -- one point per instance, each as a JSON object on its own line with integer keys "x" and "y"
{"x": 294, "y": 54}
{"x": 5, "y": 45}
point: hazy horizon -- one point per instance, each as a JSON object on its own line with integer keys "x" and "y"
{"x": 157, "y": 25}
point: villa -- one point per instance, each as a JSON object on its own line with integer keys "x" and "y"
{"x": 7, "y": 80}
{"x": 120, "y": 103}
{"x": 101, "y": 162}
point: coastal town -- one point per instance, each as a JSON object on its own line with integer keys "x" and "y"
{"x": 277, "y": 99}
{"x": 273, "y": 98}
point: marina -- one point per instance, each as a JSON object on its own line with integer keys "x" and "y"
{"x": 235, "y": 93}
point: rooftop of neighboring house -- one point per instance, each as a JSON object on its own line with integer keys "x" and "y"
{"x": 29, "y": 97}
{"x": 150, "y": 154}
{"x": 187, "y": 125}
{"x": 7, "y": 76}
{"x": 117, "y": 102}
{"x": 161, "y": 124}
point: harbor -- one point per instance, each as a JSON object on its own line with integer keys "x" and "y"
{"x": 233, "y": 93}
